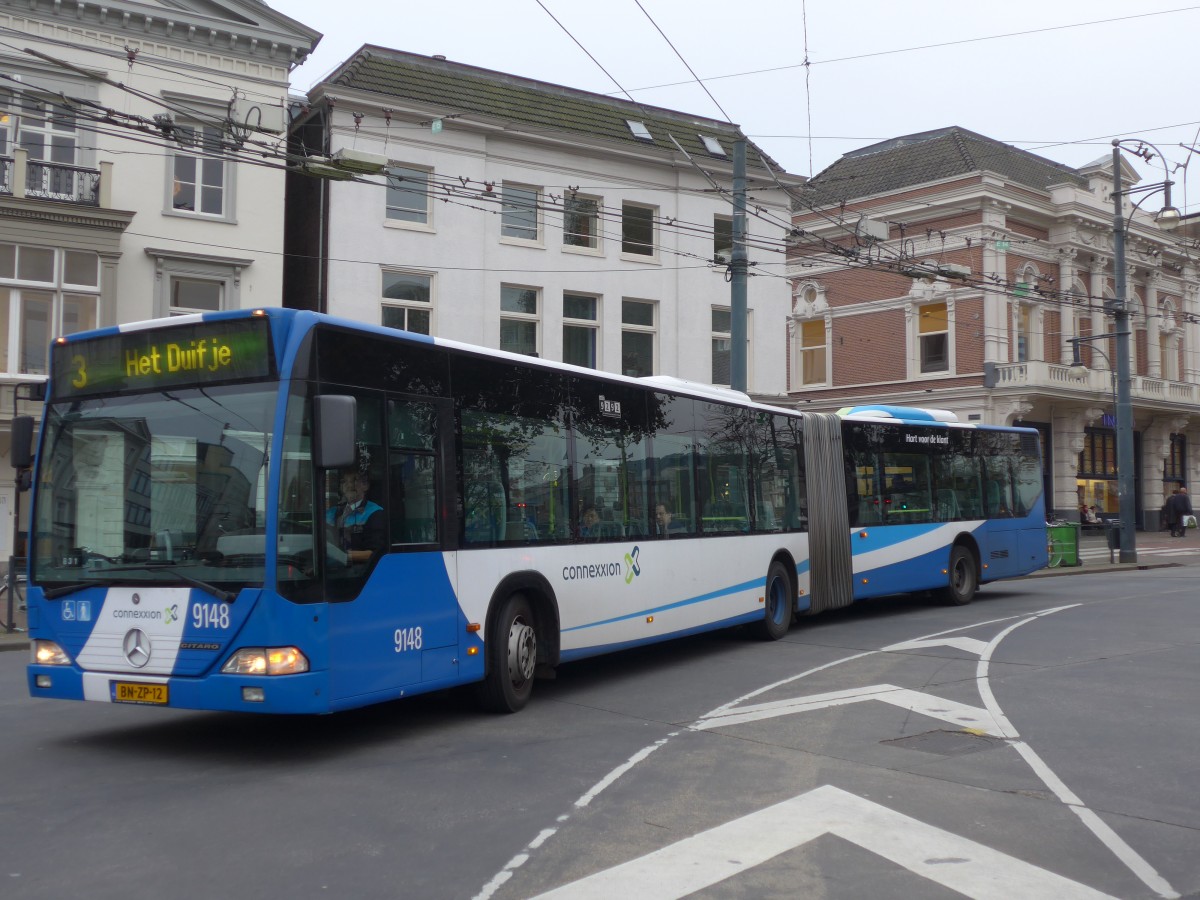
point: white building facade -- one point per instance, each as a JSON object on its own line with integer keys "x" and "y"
{"x": 142, "y": 165}
{"x": 534, "y": 218}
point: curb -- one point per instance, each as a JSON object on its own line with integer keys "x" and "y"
{"x": 1097, "y": 569}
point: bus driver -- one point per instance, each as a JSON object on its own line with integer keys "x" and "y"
{"x": 359, "y": 522}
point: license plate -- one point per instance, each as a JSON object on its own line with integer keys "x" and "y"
{"x": 137, "y": 692}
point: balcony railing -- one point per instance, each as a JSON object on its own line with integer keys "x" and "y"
{"x": 1057, "y": 378}
{"x": 43, "y": 180}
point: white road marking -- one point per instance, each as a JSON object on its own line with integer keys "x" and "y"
{"x": 732, "y": 707}
{"x": 1113, "y": 841}
{"x": 959, "y": 714}
{"x": 970, "y": 645}
{"x": 940, "y": 856}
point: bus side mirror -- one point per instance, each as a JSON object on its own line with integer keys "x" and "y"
{"x": 22, "y": 442}
{"x": 333, "y": 431}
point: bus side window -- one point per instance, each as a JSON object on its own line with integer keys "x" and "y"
{"x": 412, "y": 502}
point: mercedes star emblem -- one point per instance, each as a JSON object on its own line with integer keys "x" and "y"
{"x": 137, "y": 648}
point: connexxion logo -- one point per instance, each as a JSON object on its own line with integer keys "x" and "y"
{"x": 632, "y": 569}
{"x": 586, "y": 572}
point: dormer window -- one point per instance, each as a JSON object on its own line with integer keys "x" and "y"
{"x": 639, "y": 130}
{"x": 712, "y": 145}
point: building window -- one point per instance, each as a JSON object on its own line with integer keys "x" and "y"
{"x": 194, "y": 283}
{"x": 1175, "y": 465}
{"x": 580, "y": 331}
{"x": 193, "y": 295}
{"x": 199, "y": 175}
{"x": 1096, "y": 483}
{"x": 519, "y": 212}
{"x": 1024, "y": 331}
{"x": 637, "y": 338}
{"x": 1169, "y": 356}
{"x": 808, "y": 353}
{"x": 722, "y": 327}
{"x": 637, "y": 230}
{"x": 408, "y": 302}
{"x": 722, "y": 334}
{"x": 46, "y": 131}
{"x": 639, "y": 130}
{"x": 519, "y": 319}
{"x": 44, "y": 293}
{"x": 722, "y": 240}
{"x": 933, "y": 334}
{"x": 408, "y": 195}
{"x": 581, "y": 222}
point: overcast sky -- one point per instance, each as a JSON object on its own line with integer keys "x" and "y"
{"x": 1050, "y": 76}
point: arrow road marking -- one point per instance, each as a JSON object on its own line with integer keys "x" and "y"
{"x": 959, "y": 714}
{"x": 712, "y": 856}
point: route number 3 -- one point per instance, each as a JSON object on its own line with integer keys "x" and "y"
{"x": 80, "y": 380}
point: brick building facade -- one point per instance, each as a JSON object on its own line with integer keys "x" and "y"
{"x": 946, "y": 269}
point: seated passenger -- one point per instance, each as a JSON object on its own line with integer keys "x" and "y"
{"x": 665, "y": 524}
{"x": 589, "y": 523}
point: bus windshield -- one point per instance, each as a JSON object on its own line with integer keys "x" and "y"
{"x": 157, "y": 487}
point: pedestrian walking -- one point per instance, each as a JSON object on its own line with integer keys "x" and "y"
{"x": 1179, "y": 512}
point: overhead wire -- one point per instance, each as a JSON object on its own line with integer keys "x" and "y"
{"x": 806, "y": 63}
{"x": 831, "y": 251}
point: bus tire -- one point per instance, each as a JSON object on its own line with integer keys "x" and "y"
{"x": 778, "y": 601}
{"x": 512, "y": 657}
{"x": 964, "y": 577}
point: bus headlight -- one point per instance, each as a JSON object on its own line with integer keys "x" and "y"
{"x": 266, "y": 661}
{"x": 48, "y": 653}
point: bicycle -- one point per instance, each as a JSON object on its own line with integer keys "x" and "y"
{"x": 1054, "y": 553}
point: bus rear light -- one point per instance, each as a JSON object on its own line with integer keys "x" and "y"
{"x": 266, "y": 661}
{"x": 48, "y": 653}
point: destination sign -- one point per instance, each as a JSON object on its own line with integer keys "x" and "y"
{"x": 200, "y": 353}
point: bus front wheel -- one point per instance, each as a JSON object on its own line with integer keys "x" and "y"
{"x": 964, "y": 577}
{"x": 512, "y": 658}
{"x": 779, "y": 601}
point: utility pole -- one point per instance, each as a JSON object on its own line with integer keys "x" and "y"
{"x": 1126, "y": 495}
{"x": 738, "y": 266}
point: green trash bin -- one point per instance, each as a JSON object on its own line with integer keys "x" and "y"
{"x": 1062, "y": 540}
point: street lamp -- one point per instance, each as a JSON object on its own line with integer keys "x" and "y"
{"x": 1168, "y": 217}
{"x": 1079, "y": 369}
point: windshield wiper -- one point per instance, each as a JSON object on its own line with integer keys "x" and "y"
{"x": 63, "y": 590}
{"x": 224, "y": 596}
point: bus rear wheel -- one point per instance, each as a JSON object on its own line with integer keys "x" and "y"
{"x": 778, "y": 601}
{"x": 964, "y": 577}
{"x": 512, "y": 658}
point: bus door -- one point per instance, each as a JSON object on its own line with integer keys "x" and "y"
{"x": 396, "y": 619}
{"x": 999, "y": 551}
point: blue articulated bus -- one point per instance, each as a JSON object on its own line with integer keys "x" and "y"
{"x": 279, "y": 511}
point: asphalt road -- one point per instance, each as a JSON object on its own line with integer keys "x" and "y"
{"x": 1040, "y": 742}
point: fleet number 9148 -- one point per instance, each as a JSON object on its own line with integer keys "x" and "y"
{"x": 408, "y": 639}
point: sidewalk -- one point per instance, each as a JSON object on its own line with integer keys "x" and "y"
{"x": 1155, "y": 551}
